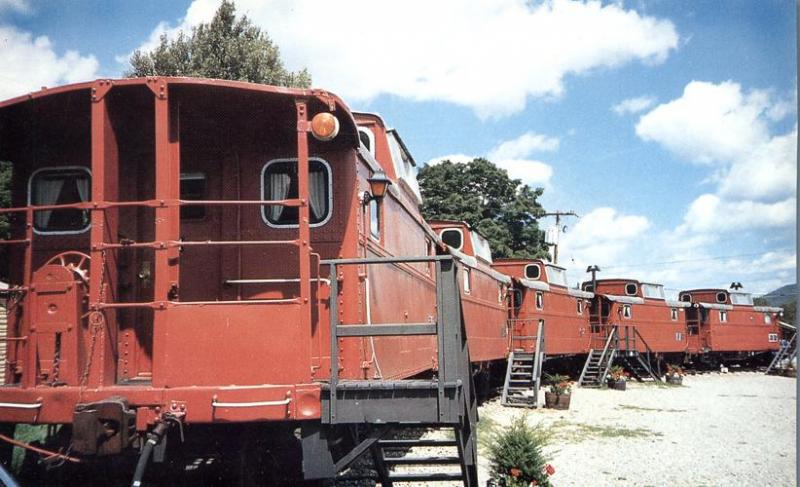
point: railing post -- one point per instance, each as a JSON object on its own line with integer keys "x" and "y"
{"x": 440, "y": 327}
{"x": 303, "y": 227}
{"x": 334, "y": 312}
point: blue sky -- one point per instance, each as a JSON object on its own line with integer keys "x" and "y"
{"x": 697, "y": 168}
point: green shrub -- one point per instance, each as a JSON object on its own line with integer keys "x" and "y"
{"x": 516, "y": 457}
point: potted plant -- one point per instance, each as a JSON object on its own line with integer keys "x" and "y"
{"x": 516, "y": 456}
{"x": 790, "y": 370}
{"x": 616, "y": 378}
{"x": 675, "y": 374}
{"x": 559, "y": 391}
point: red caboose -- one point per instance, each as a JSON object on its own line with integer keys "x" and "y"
{"x": 199, "y": 252}
{"x": 541, "y": 294}
{"x": 727, "y": 324}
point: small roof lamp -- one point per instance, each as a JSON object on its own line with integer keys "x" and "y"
{"x": 378, "y": 185}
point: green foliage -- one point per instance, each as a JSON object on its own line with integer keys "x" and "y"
{"x": 502, "y": 209}
{"x": 790, "y": 312}
{"x": 225, "y": 48}
{"x": 559, "y": 384}
{"x": 515, "y": 455}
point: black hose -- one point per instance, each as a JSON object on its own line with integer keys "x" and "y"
{"x": 153, "y": 439}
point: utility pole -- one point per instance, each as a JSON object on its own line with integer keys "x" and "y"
{"x": 558, "y": 214}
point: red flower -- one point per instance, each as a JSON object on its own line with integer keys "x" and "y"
{"x": 534, "y": 483}
{"x": 515, "y": 472}
{"x": 549, "y": 469}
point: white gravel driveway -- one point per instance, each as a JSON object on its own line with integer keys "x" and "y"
{"x": 733, "y": 429}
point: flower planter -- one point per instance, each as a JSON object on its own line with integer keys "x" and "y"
{"x": 675, "y": 380}
{"x": 618, "y": 385}
{"x": 556, "y": 401}
{"x": 790, "y": 372}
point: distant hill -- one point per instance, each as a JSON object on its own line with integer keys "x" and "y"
{"x": 782, "y": 295}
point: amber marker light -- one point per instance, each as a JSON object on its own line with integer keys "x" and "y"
{"x": 324, "y": 126}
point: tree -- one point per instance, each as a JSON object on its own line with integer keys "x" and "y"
{"x": 225, "y": 48}
{"x": 502, "y": 209}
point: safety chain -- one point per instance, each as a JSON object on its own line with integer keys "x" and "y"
{"x": 96, "y": 322}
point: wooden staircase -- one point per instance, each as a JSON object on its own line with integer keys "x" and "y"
{"x": 524, "y": 373}
{"x": 363, "y": 413}
{"x": 785, "y": 355}
{"x": 598, "y": 362}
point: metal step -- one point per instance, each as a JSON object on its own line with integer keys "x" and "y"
{"x": 423, "y": 460}
{"x": 425, "y": 477}
{"x": 412, "y": 443}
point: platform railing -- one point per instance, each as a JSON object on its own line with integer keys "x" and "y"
{"x": 448, "y": 354}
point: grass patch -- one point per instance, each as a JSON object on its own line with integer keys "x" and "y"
{"x": 577, "y": 432}
{"x": 631, "y": 407}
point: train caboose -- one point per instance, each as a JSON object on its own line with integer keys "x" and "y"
{"x": 725, "y": 325}
{"x": 226, "y": 260}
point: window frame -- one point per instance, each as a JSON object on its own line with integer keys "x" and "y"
{"x": 30, "y": 197}
{"x": 678, "y": 336}
{"x": 627, "y": 311}
{"x": 375, "y": 210}
{"x": 580, "y": 306}
{"x": 194, "y": 176}
{"x": 673, "y": 314}
{"x": 723, "y": 316}
{"x": 370, "y": 136}
{"x": 767, "y": 319}
{"x": 724, "y": 297}
{"x": 635, "y": 289}
{"x": 772, "y": 338}
{"x": 467, "y": 280}
{"x": 294, "y": 159}
{"x": 539, "y": 300}
{"x": 441, "y": 236}
{"x": 537, "y": 266}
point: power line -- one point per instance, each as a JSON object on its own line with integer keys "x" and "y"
{"x": 705, "y": 259}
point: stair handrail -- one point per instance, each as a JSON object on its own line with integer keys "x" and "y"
{"x": 648, "y": 351}
{"x": 613, "y": 336}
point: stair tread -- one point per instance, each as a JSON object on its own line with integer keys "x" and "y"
{"x": 423, "y": 476}
{"x": 420, "y": 442}
{"x": 422, "y": 460}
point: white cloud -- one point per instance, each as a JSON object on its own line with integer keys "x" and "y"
{"x": 755, "y": 172}
{"x": 633, "y": 105}
{"x": 710, "y": 213}
{"x": 531, "y": 172}
{"x": 524, "y": 145}
{"x": 30, "y": 63}
{"x": 767, "y": 173}
{"x": 709, "y": 122}
{"x": 489, "y": 56}
{"x": 599, "y": 237}
{"x": 454, "y": 158}
{"x": 21, "y": 6}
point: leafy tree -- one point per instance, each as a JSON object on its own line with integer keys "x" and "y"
{"x": 502, "y": 209}
{"x": 225, "y": 48}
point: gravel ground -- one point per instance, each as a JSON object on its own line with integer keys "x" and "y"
{"x": 733, "y": 429}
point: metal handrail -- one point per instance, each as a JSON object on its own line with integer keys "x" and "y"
{"x": 335, "y": 328}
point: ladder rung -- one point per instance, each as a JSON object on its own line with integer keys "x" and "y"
{"x": 425, "y": 477}
{"x": 420, "y": 442}
{"x": 423, "y": 460}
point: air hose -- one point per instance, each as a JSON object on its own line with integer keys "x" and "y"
{"x": 153, "y": 439}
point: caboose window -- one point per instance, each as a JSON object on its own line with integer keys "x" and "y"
{"x": 767, "y": 319}
{"x": 723, "y": 316}
{"x": 722, "y": 298}
{"x": 60, "y": 186}
{"x": 686, "y": 298}
{"x": 626, "y": 311}
{"x": 375, "y": 219}
{"x": 630, "y": 289}
{"x": 193, "y": 187}
{"x": 453, "y": 238}
{"x": 772, "y": 337}
{"x": 517, "y": 297}
{"x": 367, "y": 139}
{"x": 580, "y": 307}
{"x": 539, "y": 300}
{"x": 279, "y": 182}
{"x": 467, "y": 281}
{"x": 673, "y": 314}
{"x": 532, "y": 271}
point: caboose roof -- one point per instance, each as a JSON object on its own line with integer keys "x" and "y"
{"x": 318, "y": 100}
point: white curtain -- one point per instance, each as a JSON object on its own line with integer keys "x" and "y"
{"x": 316, "y": 190}
{"x": 278, "y": 190}
{"x": 47, "y": 192}
{"x": 82, "y": 183}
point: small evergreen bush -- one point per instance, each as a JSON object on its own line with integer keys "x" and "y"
{"x": 516, "y": 457}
